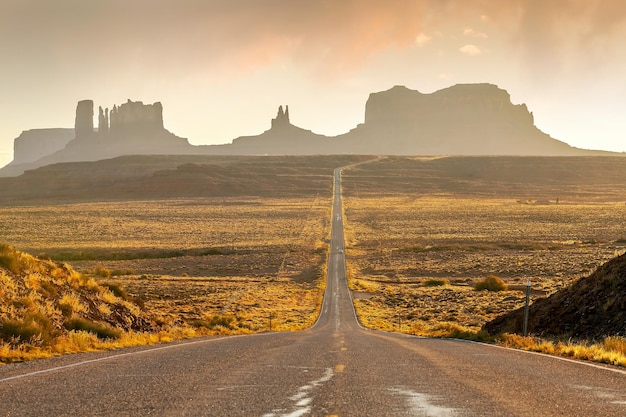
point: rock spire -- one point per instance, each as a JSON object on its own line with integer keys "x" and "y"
{"x": 83, "y": 125}
{"x": 282, "y": 118}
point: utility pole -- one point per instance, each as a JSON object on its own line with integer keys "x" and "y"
{"x": 526, "y": 309}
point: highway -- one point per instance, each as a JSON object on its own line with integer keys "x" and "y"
{"x": 335, "y": 368}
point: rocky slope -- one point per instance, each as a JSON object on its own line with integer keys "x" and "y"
{"x": 43, "y": 300}
{"x": 592, "y": 308}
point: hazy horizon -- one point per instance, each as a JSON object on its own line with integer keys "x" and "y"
{"x": 222, "y": 68}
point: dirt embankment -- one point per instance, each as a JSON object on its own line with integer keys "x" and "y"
{"x": 592, "y": 308}
{"x": 42, "y": 301}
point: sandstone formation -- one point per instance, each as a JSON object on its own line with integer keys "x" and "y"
{"x": 282, "y": 138}
{"x": 83, "y": 125}
{"x": 134, "y": 116}
{"x": 103, "y": 121}
{"x": 37, "y": 143}
{"x": 465, "y": 119}
{"x": 132, "y": 128}
{"x": 282, "y": 118}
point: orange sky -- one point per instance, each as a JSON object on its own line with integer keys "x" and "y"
{"x": 221, "y": 68}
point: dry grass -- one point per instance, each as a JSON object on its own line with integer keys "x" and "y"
{"x": 198, "y": 266}
{"x": 408, "y": 240}
{"x": 84, "y": 341}
{"x": 246, "y": 304}
{"x": 399, "y": 247}
{"x": 612, "y": 350}
{"x": 167, "y": 228}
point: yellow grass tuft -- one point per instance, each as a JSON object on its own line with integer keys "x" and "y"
{"x": 610, "y": 351}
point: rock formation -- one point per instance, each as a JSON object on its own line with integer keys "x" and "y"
{"x": 83, "y": 125}
{"x": 282, "y": 138}
{"x": 282, "y": 118}
{"x": 465, "y": 119}
{"x": 36, "y": 143}
{"x": 132, "y": 128}
{"x": 135, "y": 116}
{"x": 103, "y": 121}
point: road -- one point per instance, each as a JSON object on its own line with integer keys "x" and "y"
{"x": 335, "y": 368}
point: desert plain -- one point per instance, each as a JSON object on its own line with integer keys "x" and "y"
{"x": 420, "y": 233}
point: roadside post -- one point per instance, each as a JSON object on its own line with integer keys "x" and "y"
{"x": 270, "y": 321}
{"x": 526, "y": 308}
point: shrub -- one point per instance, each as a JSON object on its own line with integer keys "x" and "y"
{"x": 223, "y": 321}
{"x": 34, "y": 328}
{"x": 434, "y": 282}
{"x": 615, "y": 344}
{"x": 117, "y": 290}
{"x": 491, "y": 283}
{"x": 102, "y": 330}
{"x": 69, "y": 304}
{"x": 48, "y": 289}
{"x": 101, "y": 272}
{"x": 9, "y": 258}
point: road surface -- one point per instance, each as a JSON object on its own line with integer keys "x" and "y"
{"x": 336, "y": 368}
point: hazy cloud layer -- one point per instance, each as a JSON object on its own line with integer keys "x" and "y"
{"x": 326, "y": 36}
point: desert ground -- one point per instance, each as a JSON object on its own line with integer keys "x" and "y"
{"x": 420, "y": 233}
{"x": 190, "y": 260}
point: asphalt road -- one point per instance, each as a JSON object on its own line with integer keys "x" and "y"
{"x": 334, "y": 368}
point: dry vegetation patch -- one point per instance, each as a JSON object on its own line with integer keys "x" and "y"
{"x": 44, "y": 305}
{"x": 421, "y": 233}
{"x": 198, "y": 266}
{"x": 241, "y": 304}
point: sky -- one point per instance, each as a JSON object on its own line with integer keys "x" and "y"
{"x": 221, "y": 68}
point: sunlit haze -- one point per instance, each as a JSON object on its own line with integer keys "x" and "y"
{"x": 222, "y": 68}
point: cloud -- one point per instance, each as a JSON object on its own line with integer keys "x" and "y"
{"x": 422, "y": 39}
{"x": 471, "y": 33}
{"x": 470, "y": 50}
{"x": 322, "y": 37}
{"x": 559, "y": 34}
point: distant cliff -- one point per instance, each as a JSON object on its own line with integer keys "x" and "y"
{"x": 37, "y": 143}
{"x": 465, "y": 119}
{"x": 32, "y": 145}
{"x": 132, "y": 128}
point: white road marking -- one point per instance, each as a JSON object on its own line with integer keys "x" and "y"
{"x": 603, "y": 393}
{"x": 422, "y": 405}
{"x": 303, "y": 398}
